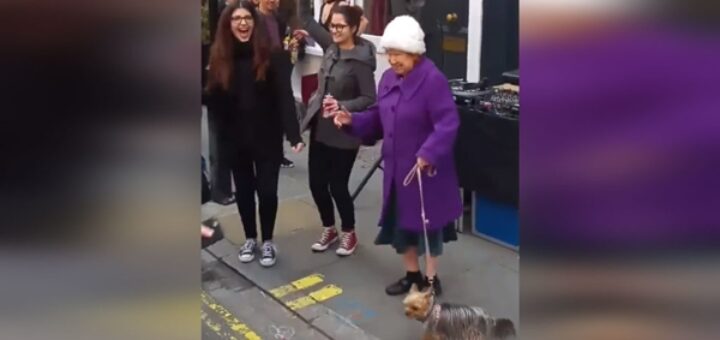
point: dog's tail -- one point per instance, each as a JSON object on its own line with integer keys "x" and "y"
{"x": 503, "y": 329}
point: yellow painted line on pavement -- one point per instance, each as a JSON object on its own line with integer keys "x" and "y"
{"x": 232, "y": 322}
{"x": 216, "y": 327}
{"x": 297, "y": 285}
{"x": 320, "y": 295}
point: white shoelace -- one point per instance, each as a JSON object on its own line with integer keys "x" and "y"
{"x": 248, "y": 246}
{"x": 268, "y": 250}
{"x": 345, "y": 240}
{"x": 325, "y": 237}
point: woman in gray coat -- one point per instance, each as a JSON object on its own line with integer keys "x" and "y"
{"x": 346, "y": 78}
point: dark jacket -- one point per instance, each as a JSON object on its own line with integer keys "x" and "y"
{"x": 254, "y": 115}
{"x": 346, "y": 75}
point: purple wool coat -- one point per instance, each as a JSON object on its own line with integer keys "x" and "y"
{"x": 416, "y": 117}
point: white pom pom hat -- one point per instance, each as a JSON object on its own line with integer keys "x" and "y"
{"x": 405, "y": 34}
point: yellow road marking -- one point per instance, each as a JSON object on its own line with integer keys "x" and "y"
{"x": 216, "y": 327}
{"x": 322, "y": 294}
{"x": 297, "y": 285}
{"x": 233, "y": 323}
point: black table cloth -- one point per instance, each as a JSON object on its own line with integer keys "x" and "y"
{"x": 486, "y": 155}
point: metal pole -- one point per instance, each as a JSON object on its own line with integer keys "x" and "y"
{"x": 367, "y": 178}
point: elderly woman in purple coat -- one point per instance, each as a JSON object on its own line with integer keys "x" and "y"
{"x": 417, "y": 118}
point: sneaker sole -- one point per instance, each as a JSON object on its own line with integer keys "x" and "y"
{"x": 346, "y": 254}
{"x": 266, "y": 265}
{"x": 320, "y": 250}
{"x": 246, "y": 260}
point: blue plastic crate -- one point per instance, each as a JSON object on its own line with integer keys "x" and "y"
{"x": 496, "y": 222}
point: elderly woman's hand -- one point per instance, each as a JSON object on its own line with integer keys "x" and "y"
{"x": 341, "y": 117}
{"x": 424, "y": 165}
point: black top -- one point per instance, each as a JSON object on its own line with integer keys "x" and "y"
{"x": 254, "y": 115}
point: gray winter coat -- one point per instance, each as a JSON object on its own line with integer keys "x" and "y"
{"x": 348, "y": 75}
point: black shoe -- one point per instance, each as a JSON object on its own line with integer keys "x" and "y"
{"x": 286, "y": 163}
{"x": 217, "y": 233}
{"x": 435, "y": 285}
{"x": 226, "y": 201}
{"x": 403, "y": 285}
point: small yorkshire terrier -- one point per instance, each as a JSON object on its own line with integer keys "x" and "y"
{"x": 447, "y": 321}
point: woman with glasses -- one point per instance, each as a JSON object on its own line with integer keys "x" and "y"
{"x": 249, "y": 91}
{"x": 346, "y": 78}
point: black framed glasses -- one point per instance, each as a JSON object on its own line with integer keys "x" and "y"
{"x": 337, "y": 27}
{"x": 247, "y": 19}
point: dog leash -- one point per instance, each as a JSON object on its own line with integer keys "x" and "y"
{"x": 417, "y": 172}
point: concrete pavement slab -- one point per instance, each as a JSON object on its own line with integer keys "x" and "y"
{"x": 233, "y": 308}
{"x": 294, "y": 261}
{"x": 223, "y": 248}
{"x": 492, "y": 287}
{"x": 217, "y": 275}
{"x": 265, "y": 316}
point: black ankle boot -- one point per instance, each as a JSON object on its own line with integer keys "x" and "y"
{"x": 217, "y": 233}
{"x": 403, "y": 285}
{"x": 435, "y": 285}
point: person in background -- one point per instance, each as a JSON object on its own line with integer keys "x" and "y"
{"x": 249, "y": 89}
{"x": 346, "y": 79}
{"x": 276, "y": 28}
{"x": 416, "y": 116}
{"x": 327, "y": 7}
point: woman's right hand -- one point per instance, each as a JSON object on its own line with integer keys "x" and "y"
{"x": 330, "y": 105}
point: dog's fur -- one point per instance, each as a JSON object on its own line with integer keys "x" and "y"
{"x": 454, "y": 322}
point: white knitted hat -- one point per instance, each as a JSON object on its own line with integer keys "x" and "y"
{"x": 405, "y": 34}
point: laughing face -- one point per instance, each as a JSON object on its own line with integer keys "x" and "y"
{"x": 340, "y": 30}
{"x": 242, "y": 24}
{"x": 401, "y": 62}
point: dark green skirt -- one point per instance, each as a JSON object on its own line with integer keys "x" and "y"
{"x": 400, "y": 239}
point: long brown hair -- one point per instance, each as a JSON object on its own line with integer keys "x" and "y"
{"x": 221, "y": 52}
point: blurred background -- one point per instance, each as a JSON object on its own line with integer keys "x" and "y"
{"x": 619, "y": 150}
{"x": 100, "y": 140}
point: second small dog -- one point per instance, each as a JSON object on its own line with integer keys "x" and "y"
{"x": 447, "y": 321}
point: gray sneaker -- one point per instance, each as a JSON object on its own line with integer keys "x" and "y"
{"x": 247, "y": 251}
{"x": 269, "y": 253}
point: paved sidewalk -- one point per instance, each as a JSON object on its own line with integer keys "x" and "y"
{"x": 234, "y": 308}
{"x": 344, "y": 297}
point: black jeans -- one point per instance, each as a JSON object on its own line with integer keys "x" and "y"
{"x": 329, "y": 170}
{"x": 261, "y": 177}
